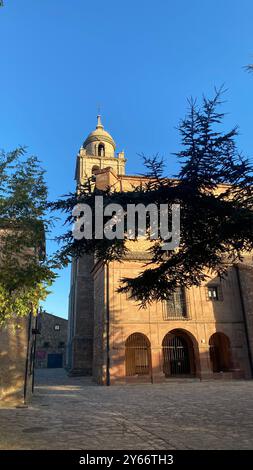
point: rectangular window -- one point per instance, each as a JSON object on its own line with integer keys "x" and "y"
{"x": 213, "y": 293}
{"x": 175, "y": 305}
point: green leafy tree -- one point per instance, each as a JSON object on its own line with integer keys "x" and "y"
{"x": 25, "y": 271}
{"x": 214, "y": 190}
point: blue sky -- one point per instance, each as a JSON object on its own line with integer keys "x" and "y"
{"x": 138, "y": 60}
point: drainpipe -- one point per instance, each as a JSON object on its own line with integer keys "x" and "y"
{"x": 35, "y": 331}
{"x": 27, "y": 356}
{"x": 107, "y": 327}
{"x": 244, "y": 318}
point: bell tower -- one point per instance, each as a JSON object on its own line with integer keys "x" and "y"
{"x": 96, "y": 153}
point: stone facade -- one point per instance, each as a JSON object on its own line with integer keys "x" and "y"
{"x": 51, "y": 342}
{"x": 80, "y": 330}
{"x": 203, "y": 319}
{"x": 16, "y": 359}
{"x": 204, "y": 332}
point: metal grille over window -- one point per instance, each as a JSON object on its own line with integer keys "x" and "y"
{"x": 175, "y": 306}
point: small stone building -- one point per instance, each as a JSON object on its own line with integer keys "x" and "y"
{"x": 204, "y": 332}
{"x": 51, "y": 341}
{"x": 17, "y": 361}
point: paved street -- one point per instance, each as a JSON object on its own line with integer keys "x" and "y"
{"x": 73, "y": 413}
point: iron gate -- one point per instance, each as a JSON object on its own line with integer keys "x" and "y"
{"x": 138, "y": 357}
{"x": 220, "y": 353}
{"x": 176, "y": 356}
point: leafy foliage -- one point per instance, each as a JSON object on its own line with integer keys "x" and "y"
{"x": 25, "y": 271}
{"x": 249, "y": 68}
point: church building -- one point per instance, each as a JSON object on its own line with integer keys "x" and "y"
{"x": 204, "y": 332}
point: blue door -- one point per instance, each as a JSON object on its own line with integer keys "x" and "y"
{"x": 54, "y": 361}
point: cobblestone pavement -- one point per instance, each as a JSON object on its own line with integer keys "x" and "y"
{"x": 73, "y": 413}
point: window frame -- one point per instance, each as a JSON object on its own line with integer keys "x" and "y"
{"x": 214, "y": 288}
{"x": 171, "y": 306}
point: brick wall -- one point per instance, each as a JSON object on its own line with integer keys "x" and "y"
{"x": 205, "y": 317}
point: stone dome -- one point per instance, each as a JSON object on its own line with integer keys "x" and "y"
{"x": 99, "y": 137}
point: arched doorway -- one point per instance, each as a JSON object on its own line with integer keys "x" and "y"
{"x": 178, "y": 354}
{"x": 220, "y": 353}
{"x": 138, "y": 355}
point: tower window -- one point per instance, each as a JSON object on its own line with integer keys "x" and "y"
{"x": 95, "y": 169}
{"x": 101, "y": 150}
